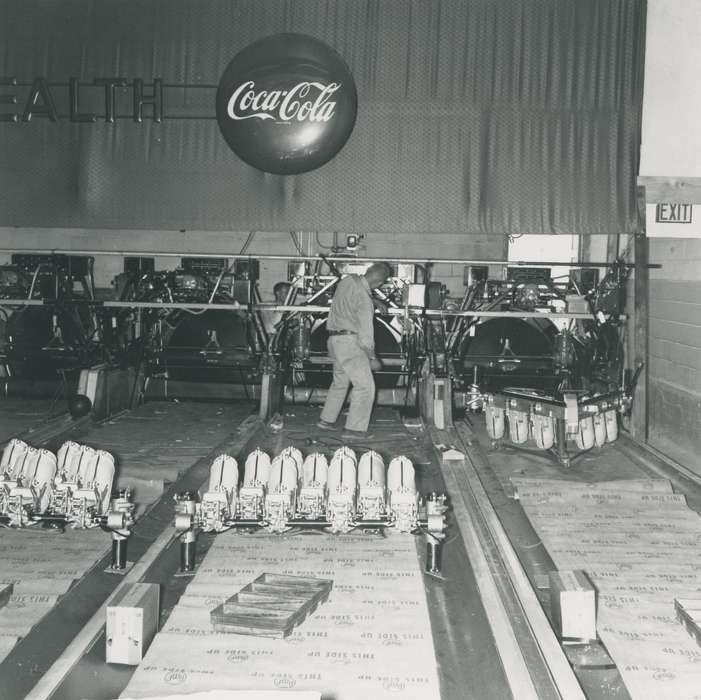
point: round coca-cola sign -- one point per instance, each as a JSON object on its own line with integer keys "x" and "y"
{"x": 286, "y": 104}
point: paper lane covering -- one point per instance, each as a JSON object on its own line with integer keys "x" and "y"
{"x": 372, "y": 638}
{"x": 639, "y": 544}
{"x": 41, "y": 566}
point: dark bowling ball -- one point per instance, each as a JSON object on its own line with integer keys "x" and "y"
{"x": 79, "y": 405}
{"x": 286, "y": 104}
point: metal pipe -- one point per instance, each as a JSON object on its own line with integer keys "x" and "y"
{"x": 433, "y": 556}
{"x": 304, "y": 309}
{"x": 119, "y": 552}
{"x": 238, "y": 256}
{"x": 188, "y": 544}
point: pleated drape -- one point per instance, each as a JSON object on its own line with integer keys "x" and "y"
{"x": 475, "y": 116}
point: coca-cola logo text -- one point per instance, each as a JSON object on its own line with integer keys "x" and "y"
{"x": 306, "y": 101}
{"x": 286, "y": 104}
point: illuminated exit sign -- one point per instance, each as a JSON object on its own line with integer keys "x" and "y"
{"x": 669, "y": 213}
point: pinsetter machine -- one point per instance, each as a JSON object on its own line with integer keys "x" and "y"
{"x": 71, "y": 489}
{"x": 202, "y": 331}
{"x": 220, "y": 343}
{"x": 335, "y": 494}
{"x": 48, "y": 321}
{"x": 543, "y": 358}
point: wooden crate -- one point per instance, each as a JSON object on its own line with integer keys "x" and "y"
{"x": 271, "y": 606}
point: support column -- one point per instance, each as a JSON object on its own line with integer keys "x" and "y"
{"x": 436, "y": 399}
{"x": 612, "y": 244}
{"x": 641, "y": 290}
{"x": 270, "y": 394}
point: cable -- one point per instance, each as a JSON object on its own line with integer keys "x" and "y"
{"x": 248, "y": 242}
{"x": 297, "y": 245}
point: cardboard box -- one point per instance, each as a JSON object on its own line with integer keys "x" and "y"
{"x": 573, "y": 605}
{"x": 132, "y": 622}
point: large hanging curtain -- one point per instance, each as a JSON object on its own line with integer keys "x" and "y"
{"x": 475, "y": 116}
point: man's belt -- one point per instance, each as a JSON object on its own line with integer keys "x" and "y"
{"x": 343, "y": 333}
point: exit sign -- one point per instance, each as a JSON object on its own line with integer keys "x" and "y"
{"x": 669, "y": 213}
{"x": 673, "y": 220}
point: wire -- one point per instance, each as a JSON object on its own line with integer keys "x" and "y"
{"x": 248, "y": 242}
{"x": 295, "y": 240}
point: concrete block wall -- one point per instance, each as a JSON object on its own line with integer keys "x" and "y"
{"x": 446, "y": 246}
{"x": 674, "y": 388}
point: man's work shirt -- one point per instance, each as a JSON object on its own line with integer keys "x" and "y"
{"x": 352, "y": 310}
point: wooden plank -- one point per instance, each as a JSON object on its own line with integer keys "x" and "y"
{"x": 638, "y": 422}
{"x": 675, "y": 290}
{"x": 685, "y": 333}
{"x": 675, "y": 376}
{"x": 682, "y": 190}
{"x": 676, "y": 353}
{"x": 676, "y": 311}
{"x": 673, "y": 254}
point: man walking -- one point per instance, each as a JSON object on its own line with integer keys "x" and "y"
{"x": 352, "y": 350}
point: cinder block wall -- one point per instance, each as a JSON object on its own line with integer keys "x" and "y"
{"x": 674, "y": 406}
{"x": 445, "y": 246}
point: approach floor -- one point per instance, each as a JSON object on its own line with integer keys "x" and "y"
{"x": 155, "y": 443}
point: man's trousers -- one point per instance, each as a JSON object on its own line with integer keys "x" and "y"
{"x": 351, "y": 365}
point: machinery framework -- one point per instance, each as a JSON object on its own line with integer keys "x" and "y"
{"x": 427, "y": 333}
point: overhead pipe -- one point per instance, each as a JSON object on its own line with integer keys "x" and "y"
{"x": 437, "y": 313}
{"x": 332, "y": 258}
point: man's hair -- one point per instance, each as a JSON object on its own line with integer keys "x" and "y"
{"x": 379, "y": 271}
{"x": 280, "y": 286}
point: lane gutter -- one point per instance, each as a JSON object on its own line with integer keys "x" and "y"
{"x": 479, "y": 523}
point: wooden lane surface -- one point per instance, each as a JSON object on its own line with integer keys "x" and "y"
{"x": 18, "y": 415}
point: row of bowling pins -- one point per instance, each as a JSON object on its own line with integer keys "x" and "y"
{"x": 342, "y": 490}
{"x": 40, "y": 481}
{"x": 290, "y": 470}
{"x": 590, "y": 430}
